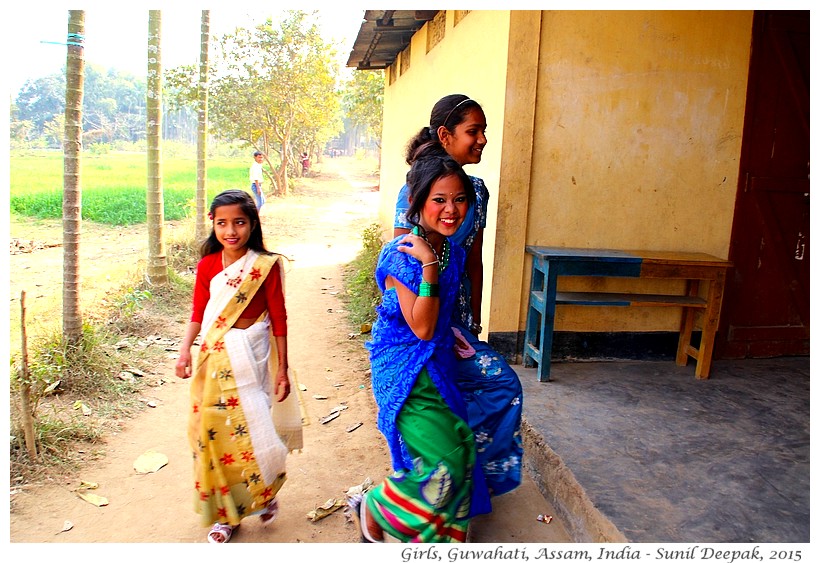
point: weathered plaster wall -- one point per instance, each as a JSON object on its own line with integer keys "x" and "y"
{"x": 637, "y": 139}
{"x": 470, "y": 60}
{"x": 616, "y": 129}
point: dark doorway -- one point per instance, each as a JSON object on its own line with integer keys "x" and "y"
{"x": 766, "y": 305}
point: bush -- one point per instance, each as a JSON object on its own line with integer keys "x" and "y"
{"x": 99, "y": 149}
{"x": 64, "y": 379}
{"x": 80, "y": 368}
{"x": 362, "y": 295}
{"x": 57, "y": 434}
{"x": 182, "y": 245}
{"x": 112, "y": 206}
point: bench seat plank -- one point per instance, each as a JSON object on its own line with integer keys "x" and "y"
{"x": 627, "y": 299}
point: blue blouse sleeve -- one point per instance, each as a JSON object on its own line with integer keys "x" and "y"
{"x": 482, "y": 198}
{"x": 402, "y": 204}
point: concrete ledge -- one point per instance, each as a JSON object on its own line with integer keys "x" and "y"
{"x": 584, "y": 522}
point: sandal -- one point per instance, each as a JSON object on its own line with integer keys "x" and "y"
{"x": 357, "y": 504}
{"x": 270, "y": 513}
{"x": 221, "y": 533}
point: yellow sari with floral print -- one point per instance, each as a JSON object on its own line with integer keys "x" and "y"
{"x": 239, "y": 436}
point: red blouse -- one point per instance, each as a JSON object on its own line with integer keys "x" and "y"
{"x": 270, "y": 296}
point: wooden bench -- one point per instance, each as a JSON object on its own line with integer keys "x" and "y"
{"x": 548, "y": 263}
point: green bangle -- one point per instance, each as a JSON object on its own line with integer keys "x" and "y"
{"x": 427, "y": 289}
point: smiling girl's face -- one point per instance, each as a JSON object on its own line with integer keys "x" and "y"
{"x": 445, "y": 207}
{"x": 466, "y": 143}
{"x": 232, "y": 227}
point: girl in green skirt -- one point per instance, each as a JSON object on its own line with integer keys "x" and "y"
{"x": 436, "y": 486}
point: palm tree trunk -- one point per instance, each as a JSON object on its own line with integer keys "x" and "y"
{"x": 72, "y": 193}
{"x": 202, "y": 127}
{"x": 157, "y": 260}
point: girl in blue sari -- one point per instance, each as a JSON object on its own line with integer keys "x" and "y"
{"x": 489, "y": 385}
{"x": 437, "y": 485}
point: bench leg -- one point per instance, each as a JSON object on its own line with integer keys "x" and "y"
{"x": 538, "y": 338}
{"x": 547, "y": 325}
{"x": 535, "y": 316}
{"x": 711, "y": 319}
{"x": 687, "y": 325}
{"x": 532, "y": 353}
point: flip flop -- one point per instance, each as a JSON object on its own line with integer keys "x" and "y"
{"x": 358, "y": 507}
{"x": 222, "y": 531}
{"x": 270, "y": 513}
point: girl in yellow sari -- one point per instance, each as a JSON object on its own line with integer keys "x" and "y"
{"x": 240, "y": 437}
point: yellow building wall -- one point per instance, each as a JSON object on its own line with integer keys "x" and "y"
{"x": 470, "y": 59}
{"x": 613, "y": 129}
{"x": 637, "y": 139}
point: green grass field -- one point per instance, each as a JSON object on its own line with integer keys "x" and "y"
{"x": 113, "y": 185}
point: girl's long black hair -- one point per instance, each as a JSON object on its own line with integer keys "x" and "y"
{"x": 429, "y": 164}
{"x": 248, "y": 207}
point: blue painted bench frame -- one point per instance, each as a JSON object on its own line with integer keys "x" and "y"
{"x": 548, "y": 263}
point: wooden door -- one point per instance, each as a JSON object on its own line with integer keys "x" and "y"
{"x": 766, "y": 306}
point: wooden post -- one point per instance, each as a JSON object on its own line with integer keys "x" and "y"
{"x": 25, "y": 386}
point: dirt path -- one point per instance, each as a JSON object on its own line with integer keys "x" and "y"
{"x": 319, "y": 227}
{"x": 328, "y": 362}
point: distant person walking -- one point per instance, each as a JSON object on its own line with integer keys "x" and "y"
{"x": 257, "y": 180}
{"x": 305, "y": 158}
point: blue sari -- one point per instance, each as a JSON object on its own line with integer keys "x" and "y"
{"x": 398, "y": 356}
{"x": 487, "y": 383}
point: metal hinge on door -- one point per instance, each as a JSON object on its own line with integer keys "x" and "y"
{"x": 800, "y": 249}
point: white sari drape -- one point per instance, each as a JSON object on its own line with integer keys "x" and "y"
{"x": 240, "y": 434}
{"x": 289, "y": 415}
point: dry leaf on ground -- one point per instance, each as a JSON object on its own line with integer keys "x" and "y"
{"x": 96, "y": 500}
{"x": 150, "y": 462}
{"x": 329, "y": 507}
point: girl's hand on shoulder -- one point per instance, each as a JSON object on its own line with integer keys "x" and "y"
{"x": 282, "y": 385}
{"x": 416, "y": 247}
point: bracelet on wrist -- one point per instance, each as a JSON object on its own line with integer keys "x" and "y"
{"x": 429, "y": 264}
{"x": 427, "y": 289}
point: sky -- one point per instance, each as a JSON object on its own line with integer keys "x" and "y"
{"x": 116, "y": 32}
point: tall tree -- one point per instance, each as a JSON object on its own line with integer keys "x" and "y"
{"x": 276, "y": 88}
{"x": 157, "y": 260}
{"x": 72, "y": 193}
{"x": 274, "y": 81}
{"x": 41, "y": 99}
{"x": 202, "y": 125}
